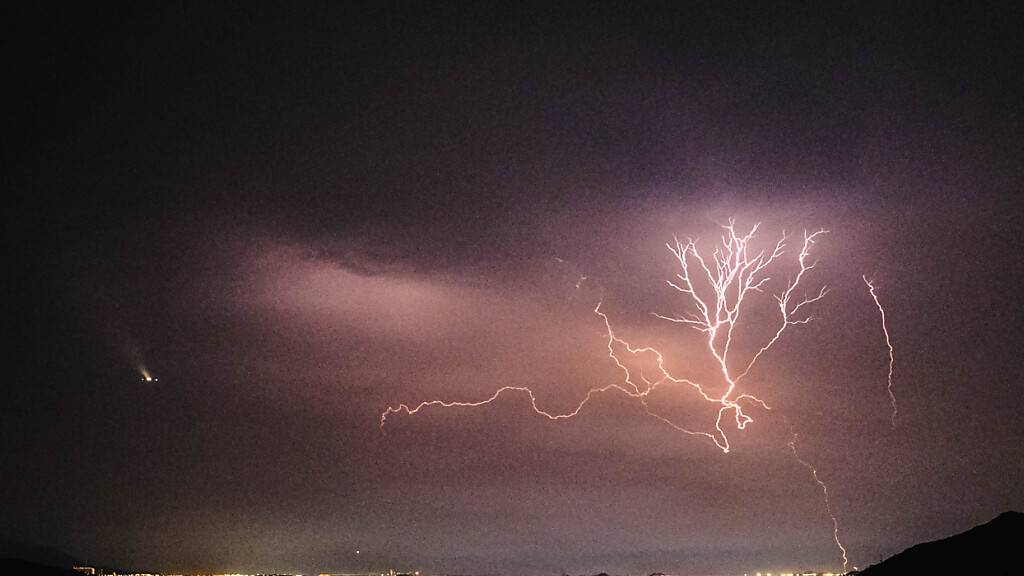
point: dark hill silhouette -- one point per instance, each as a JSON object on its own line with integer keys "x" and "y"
{"x": 10, "y": 548}
{"x": 991, "y": 549}
{"x": 26, "y": 568}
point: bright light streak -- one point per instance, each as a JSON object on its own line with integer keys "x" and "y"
{"x": 828, "y": 501}
{"x": 731, "y": 273}
{"x": 736, "y": 274}
{"x": 888, "y": 343}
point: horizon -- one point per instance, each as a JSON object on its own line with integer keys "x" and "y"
{"x": 1003, "y": 518}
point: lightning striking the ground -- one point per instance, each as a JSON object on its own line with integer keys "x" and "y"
{"x": 888, "y": 343}
{"x": 828, "y": 502}
{"x": 716, "y": 287}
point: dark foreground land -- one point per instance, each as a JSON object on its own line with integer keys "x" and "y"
{"x": 992, "y": 548}
{"x": 17, "y": 567}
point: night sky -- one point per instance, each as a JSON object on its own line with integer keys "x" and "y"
{"x": 295, "y": 218}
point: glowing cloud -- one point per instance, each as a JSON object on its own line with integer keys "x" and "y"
{"x": 715, "y": 286}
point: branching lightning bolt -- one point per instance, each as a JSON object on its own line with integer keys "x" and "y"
{"x": 736, "y": 274}
{"x": 888, "y": 343}
{"x": 731, "y": 273}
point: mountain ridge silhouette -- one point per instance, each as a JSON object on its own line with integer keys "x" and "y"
{"x": 11, "y": 548}
{"x": 991, "y": 548}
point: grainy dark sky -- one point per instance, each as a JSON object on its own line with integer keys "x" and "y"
{"x": 295, "y": 217}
